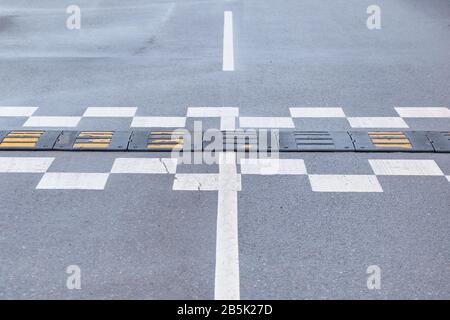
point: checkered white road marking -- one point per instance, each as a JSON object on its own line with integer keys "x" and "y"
{"x": 24, "y": 164}
{"x": 273, "y": 166}
{"x": 394, "y": 167}
{"x": 60, "y": 122}
{"x": 200, "y": 181}
{"x": 110, "y": 112}
{"x": 317, "y": 112}
{"x": 377, "y": 122}
{"x": 448, "y": 178}
{"x": 144, "y": 165}
{"x": 430, "y": 112}
{"x": 155, "y": 122}
{"x": 266, "y": 122}
{"x": 344, "y": 183}
{"x": 73, "y": 180}
{"x": 17, "y": 111}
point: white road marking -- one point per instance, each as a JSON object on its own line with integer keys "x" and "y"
{"x": 344, "y": 183}
{"x": 266, "y": 122}
{"x": 212, "y": 112}
{"x": 317, "y": 112}
{"x": 73, "y": 180}
{"x": 144, "y": 165}
{"x": 273, "y": 166}
{"x": 394, "y": 167}
{"x": 377, "y": 122}
{"x": 227, "y": 115}
{"x": 199, "y": 182}
{"x": 159, "y": 122}
{"x": 24, "y": 164}
{"x": 448, "y": 178}
{"x": 110, "y": 112}
{"x": 228, "y": 46}
{"x": 416, "y": 112}
{"x": 227, "y": 183}
{"x": 52, "y": 122}
{"x": 17, "y": 111}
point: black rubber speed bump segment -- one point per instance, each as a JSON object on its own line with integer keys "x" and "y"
{"x": 248, "y": 140}
{"x": 93, "y": 140}
{"x": 164, "y": 140}
{"x": 410, "y": 141}
{"x": 28, "y": 139}
{"x": 294, "y": 140}
{"x": 440, "y": 140}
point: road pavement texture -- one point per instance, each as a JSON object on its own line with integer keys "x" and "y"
{"x": 144, "y": 225}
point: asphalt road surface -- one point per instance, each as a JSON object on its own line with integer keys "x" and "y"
{"x": 153, "y": 228}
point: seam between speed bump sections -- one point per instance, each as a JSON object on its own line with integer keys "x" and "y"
{"x": 246, "y": 140}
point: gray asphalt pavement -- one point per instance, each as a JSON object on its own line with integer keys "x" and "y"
{"x": 137, "y": 237}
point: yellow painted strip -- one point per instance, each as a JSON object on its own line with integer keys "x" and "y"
{"x": 7, "y": 139}
{"x": 24, "y": 135}
{"x": 10, "y": 144}
{"x": 405, "y": 146}
{"x": 393, "y": 140}
{"x": 84, "y": 134}
{"x": 165, "y": 146}
{"x": 93, "y": 140}
{"x": 93, "y": 145}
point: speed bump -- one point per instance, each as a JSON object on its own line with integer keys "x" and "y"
{"x": 248, "y": 140}
{"x": 28, "y": 139}
{"x": 294, "y": 140}
{"x": 440, "y": 140}
{"x": 412, "y": 141}
{"x": 161, "y": 140}
{"x": 93, "y": 140}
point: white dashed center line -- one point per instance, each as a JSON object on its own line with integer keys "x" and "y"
{"x": 228, "y": 48}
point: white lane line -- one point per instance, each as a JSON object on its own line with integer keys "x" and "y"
{"x": 317, "y": 112}
{"x": 24, "y": 165}
{"x": 110, "y": 112}
{"x": 228, "y": 46}
{"x": 377, "y": 122}
{"x": 144, "y": 165}
{"x": 17, "y": 111}
{"x": 266, "y": 122}
{"x": 418, "y": 112}
{"x": 227, "y": 123}
{"x": 73, "y": 181}
{"x": 344, "y": 183}
{"x": 196, "y": 182}
{"x": 162, "y": 122}
{"x": 227, "y": 285}
{"x": 394, "y": 167}
{"x": 60, "y": 122}
{"x": 273, "y": 166}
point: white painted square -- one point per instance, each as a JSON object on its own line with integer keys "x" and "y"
{"x": 199, "y": 182}
{"x": 345, "y": 183}
{"x": 273, "y": 166}
{"x": 110, "y": 112}
{"x": 60, "y": 122}
{"x": 212, "y": 112}
{"x": 418, "y": 112}
{"x": 317, "y": 112}
{"x": 377, "y": 122}
{"x": 266, "y": 122}
{"x": 158, "y": 122}
{"x": 394, "y": 167}
{"x": 73, "y": 181}
{"x": 24, "y": 164}
{"x": 17, "y": 111}
{"x": 145, "y": 165}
